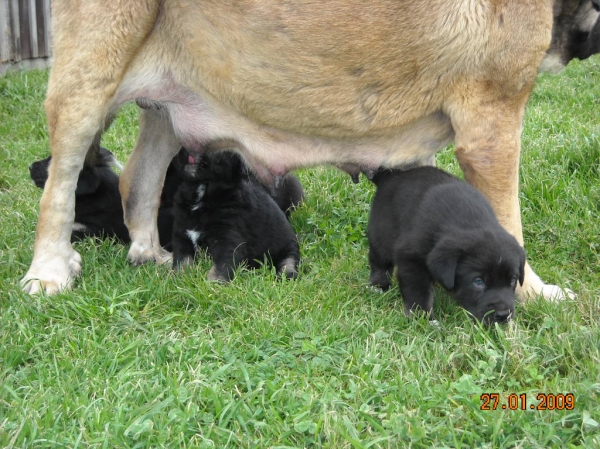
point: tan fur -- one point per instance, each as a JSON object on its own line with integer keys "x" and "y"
{"x": 295, "y": 83}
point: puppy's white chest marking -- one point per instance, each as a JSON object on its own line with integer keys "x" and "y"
{"x": 200, "y": 194}
{"x": 194, "y": 237}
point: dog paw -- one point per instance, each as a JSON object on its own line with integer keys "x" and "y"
{"x": 555, "y": 293}
{"x": 549, "y": 292}
{"x": 140, "y": 254}
{"x": 52, "y": 274}
{"x": 534, "y": 287}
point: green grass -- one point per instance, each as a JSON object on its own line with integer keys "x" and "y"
{"x": 139, "y": 357}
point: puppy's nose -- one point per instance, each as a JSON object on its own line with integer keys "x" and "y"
{"x": 502, "y": 316}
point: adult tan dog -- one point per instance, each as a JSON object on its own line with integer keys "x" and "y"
{"x": 294, "y": 83}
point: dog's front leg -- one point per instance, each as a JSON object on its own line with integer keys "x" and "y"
{"x": 55, "y": 263}
{"x": 488, "y": 145}
{"x": 141, "y": 182}
{"x": 72, "y": 127}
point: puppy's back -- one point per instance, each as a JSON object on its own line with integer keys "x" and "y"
{"x": 425, "y": 194}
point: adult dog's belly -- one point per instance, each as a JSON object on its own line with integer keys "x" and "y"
{"x": 197, "y": 117}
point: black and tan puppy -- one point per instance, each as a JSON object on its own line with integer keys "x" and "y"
{"x": 433, "y": 227}
{"x": 98, "y": 205}
{"x": 233, "y": 218}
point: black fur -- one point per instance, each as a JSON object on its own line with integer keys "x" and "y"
{"x": 288, "y": 194}
{"x": 233, "y": 218}
{"x": 98, "y": 208}
{"x": 433, "y": 227}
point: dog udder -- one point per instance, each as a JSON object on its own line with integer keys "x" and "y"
{"x": 271, "y": 152}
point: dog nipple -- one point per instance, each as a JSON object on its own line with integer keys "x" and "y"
{"x": 191, "y": 159}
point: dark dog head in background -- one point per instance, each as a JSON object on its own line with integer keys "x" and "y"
{"x": 98, "y": 208}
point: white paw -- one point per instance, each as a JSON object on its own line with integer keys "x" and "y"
{"x": 140, "y": 253}
{"x": 556, "y": 293}
{"x": 534, "y": 286}
{"x": 51, "y": 274}
{"x": 549, "y": 292}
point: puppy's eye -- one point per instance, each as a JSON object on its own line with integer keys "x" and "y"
{"x": 479, "y": 283}
{"x": 513, "y": 281}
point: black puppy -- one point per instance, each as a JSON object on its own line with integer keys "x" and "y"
{"x": 432, "y": 226}
{"x": 233, "y": 218}
{"x": 98, "y": 209}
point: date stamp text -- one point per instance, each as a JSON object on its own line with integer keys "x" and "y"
{"x": 514, "y": 401}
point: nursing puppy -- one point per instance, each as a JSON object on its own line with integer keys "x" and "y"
{"x": 433, "y": 227}
{"x": 231, "y": 217}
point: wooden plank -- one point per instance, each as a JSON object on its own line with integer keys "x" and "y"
{"x": 6, "y": 48}
{"x": 42, "y": 29}
{"x": 13, "y": 11}
{"x": 32, "y": 21}
{"x": 25, "y": 30}
{"x": 48, "y": 22}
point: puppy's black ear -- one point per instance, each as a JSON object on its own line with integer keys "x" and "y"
{"x": 521, "y": 266}
{"x": 442, "y": 261}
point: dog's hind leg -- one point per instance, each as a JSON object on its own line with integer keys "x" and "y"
{"x": 94, "y": 42}
{"x": 141, "y": 182}
{"x": 289, "y": 266}
{"x": 225, "y": 260}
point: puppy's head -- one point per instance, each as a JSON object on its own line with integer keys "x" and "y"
{"x": 89, "y": 179}
{"x": 87, "y": 183}
{"x": 38, "y": 171}
{"x": 481, "y": 271}
{"x": 220, "y": 168}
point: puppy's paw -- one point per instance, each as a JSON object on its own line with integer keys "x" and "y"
{"x": 289, "y": 268}
{"x": 51, "y": 274}
{"x": 375, "y": 289}
{"x": 217, "y": 276}
{"x": 164, "y": 257}
{"x": 183, "y": 263}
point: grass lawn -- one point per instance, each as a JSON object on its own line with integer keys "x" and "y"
{"x": 140, "y": 357}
